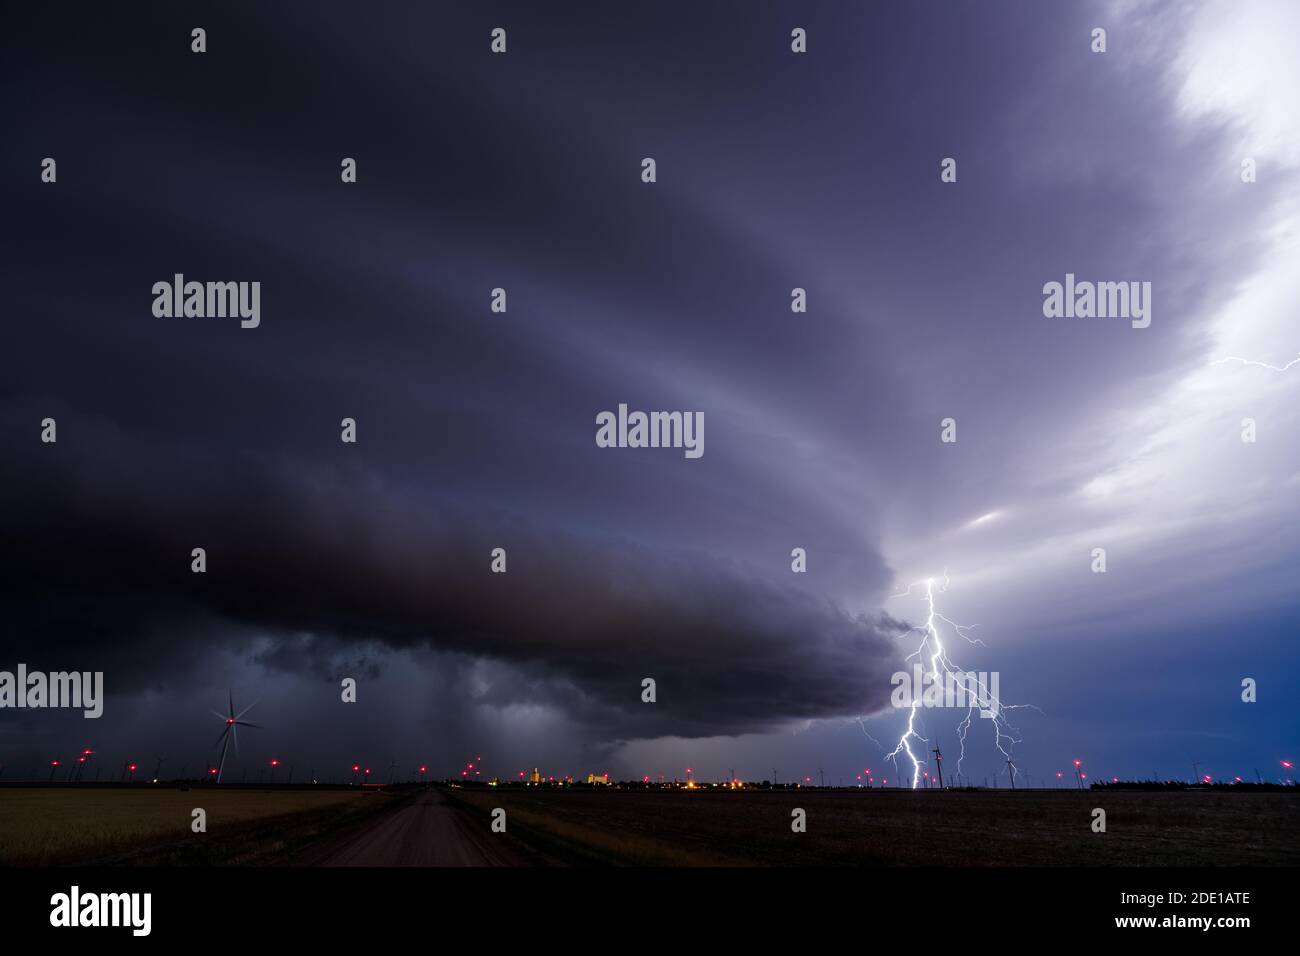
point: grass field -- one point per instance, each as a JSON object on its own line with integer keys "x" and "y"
{"x": 891, "y": 827}
{"x": 147, "y": 826}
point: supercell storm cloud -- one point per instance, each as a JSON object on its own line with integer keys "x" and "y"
{"x": 838, "y": 252}
{"x": 340, "y": 553}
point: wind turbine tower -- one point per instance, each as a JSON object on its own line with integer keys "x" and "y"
{"x": 232, "y": 720}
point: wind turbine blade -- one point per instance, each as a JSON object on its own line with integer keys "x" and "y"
{"x": 216, "y": 715}
{"x": 224, "y": 731}
{"x": 232, "y": 703}
{"x": 221, "y": 767}
{"x": 247, "y": 709}
{"x": 244, "y": 723}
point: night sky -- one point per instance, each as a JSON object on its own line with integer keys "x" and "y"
{"x": 476, "y": 429}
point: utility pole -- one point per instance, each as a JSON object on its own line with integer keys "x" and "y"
{"x": 938, "y": 761}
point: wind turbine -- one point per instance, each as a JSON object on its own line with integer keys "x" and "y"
{"x": 232, "y": 720}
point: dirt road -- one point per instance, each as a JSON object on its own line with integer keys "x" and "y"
{"x": 428, "y": 831}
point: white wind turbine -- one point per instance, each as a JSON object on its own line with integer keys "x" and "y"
{"x": 232, "y": 720}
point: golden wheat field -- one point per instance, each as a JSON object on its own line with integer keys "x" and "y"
{"x": 61, "y": 825}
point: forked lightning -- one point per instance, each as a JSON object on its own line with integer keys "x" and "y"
{"x": 940, "y": 667}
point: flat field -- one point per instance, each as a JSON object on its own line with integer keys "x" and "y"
{"x": 152, "y": 825}
{"x": 893, "y": 827}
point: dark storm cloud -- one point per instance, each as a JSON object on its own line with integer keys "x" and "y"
{"x": 97, "y": 534}
{"x": 776, "y": 170}
{"x": 376, "y": 296}
{"x": 375, "y": 306}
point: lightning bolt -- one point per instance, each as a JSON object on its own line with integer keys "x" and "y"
{"x": 940, "y": 666}
{"x": 1245, "y": 361}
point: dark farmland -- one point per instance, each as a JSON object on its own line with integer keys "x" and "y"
{"x": 894, "y": 827}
